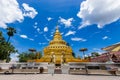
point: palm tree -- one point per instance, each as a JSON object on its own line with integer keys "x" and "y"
{"x": 83, "y": 50}
{"x": 2, "y": 39}
{"x": 10, "y": 32}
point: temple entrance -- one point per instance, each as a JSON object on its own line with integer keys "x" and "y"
{"x": 58, "y": 69}
{"x": 58, "y": 65}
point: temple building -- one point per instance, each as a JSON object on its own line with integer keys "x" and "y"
{"x": 58, "y": 51}
{"x": 113, "y": 53}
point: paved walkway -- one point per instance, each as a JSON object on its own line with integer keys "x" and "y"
{"x": 56, "y": 77}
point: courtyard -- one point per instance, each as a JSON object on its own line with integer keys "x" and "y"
{"x": 56, "y": 77}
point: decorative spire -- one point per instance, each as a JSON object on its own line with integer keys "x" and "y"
{"x": 57, "y": 30}
{"x": 57, "y": 35}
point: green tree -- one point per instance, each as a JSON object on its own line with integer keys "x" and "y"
{"x": 95, "y": 54}
{"x": 25, "y": 56}
{"x": 2, "y": 39}
{"x": 10, "y": 32}
{"x": 83, "y": 50}
{"x": 5, "y": 49}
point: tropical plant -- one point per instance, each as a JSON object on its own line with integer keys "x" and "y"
{"x": 2, "y": 39}
{"x": 25, "y": 56}
{"x": 95, "y": 54}
{"x": 10, "y": 32}
{"x": 83, "y": 50}
{"x": 5, "y": 49}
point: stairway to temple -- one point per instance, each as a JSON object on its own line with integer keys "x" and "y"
{"x": 58, "y": 71}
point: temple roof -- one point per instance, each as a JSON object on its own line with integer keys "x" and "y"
{"x": 57, "y": 34}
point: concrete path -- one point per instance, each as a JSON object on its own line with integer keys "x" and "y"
{"x": 56, "y": 77}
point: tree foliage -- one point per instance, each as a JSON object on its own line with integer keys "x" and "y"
{"x": 10, "y": 32}
{"x": 95, "y": 54}
{"x": 25, "y": 56}
{"x": 5, "y": 48}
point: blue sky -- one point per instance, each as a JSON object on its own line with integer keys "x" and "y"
{"x": 91, "y": 24}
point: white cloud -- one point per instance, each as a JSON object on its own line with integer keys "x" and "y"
{"x": 36, "y": 23}
{"x": 78, "y": 39}
{"x": 100, "y": 12}
{"x": 35, "y": 26}
{"x": 10, "y": 12}
{"x": 46, "y": 38}
{"x": 31, "y": 39}
{"x": 29, "y": 11}
{"x": 98, "y": 50}
{"x": 62, "y": 33}
{"x": 70, "y": 33}
{"x": 24, "y": 36}
{"x": 105, "y": 37}
{"x": 51, "y": 35}
{"x": 66, "y": 22}
{"x": 14, "y": 57}
{"x": 45, "y": 29}
{"x": 38, "y": 29}
{"x": 49, "y": 18}
{"x": 42, "y": 43}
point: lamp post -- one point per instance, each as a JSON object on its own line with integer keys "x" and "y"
{"x": 83, "y": 50}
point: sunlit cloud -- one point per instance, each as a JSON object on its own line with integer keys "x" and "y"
{"x": 10, "y": 12}
{"x": 78, "y": 39}
{"x": 70, "y": 33}
{"x": 26, "y": 37}
{"x": 66, "y": 22}
{"x": 105, "y": 37}
{"x": 45, "y": 29}
{"x": 29, "y": 11}
{"x": 49, "y": 18}
{"x": 99, "y": 12}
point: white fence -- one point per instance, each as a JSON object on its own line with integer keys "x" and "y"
{"x": 71, "y": 68}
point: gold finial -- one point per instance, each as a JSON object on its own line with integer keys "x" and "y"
{"x": 57, "y": 30}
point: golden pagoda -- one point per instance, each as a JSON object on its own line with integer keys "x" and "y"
{"x": 58, "y": 51}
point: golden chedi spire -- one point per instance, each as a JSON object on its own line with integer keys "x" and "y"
{"x": 57, "y": 38}
{"x": 57, "y": 35}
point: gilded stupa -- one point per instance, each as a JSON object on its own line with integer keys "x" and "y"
{"x": 58, "y": 51}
